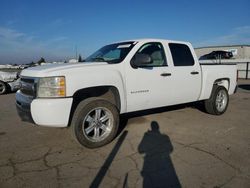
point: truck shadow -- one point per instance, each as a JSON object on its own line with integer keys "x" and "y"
{"x": 244, "y": 86}
{"x": 125, "y": 117}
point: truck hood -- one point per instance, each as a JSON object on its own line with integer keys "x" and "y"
{"x": 58, "y": 69}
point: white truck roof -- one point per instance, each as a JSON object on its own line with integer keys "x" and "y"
{"x": 156, "y": 40}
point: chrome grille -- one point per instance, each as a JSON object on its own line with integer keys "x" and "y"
{"x": 28, "y": 86}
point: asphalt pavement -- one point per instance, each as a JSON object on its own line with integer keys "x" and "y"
{"x": 178, "y": 146}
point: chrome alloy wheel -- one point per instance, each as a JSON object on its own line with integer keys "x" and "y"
{"x": 98, "y": 124}
{"x": 221, "y": 100}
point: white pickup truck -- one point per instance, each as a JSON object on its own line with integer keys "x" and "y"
{"x": 119, "y": 78}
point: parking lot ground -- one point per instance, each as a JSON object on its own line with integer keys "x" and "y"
{"x": 171, "y": 147}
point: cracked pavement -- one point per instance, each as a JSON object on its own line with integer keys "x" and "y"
{"x": 171, "y": 147}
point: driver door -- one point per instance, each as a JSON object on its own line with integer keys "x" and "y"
{"x": 147, "y": 86}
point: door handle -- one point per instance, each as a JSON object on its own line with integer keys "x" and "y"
{"x": 194, "y": 72}
{"x": 165, "y": 74}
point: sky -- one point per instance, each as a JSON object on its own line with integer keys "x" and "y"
{"x": 55, "y": 30}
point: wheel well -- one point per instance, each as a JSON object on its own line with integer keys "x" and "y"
{"x": 3, "y": 82}
{"x": 225, "y": 82}
{"x": 109, "y": 93}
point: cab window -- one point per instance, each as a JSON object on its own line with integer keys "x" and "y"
{"x": 181, "y": 55}
{"x": 156, "y": 52}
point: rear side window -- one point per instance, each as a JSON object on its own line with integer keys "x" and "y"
{"x": 181, "y": 54}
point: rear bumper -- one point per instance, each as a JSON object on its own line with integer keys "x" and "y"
{"x": 44, "y": 112}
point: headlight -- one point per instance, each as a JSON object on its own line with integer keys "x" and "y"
{"x": 51, "y": 87}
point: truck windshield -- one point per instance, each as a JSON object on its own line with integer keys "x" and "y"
{"x": 113, "y": 53}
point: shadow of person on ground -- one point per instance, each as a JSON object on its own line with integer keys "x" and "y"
{"x": 158, "y": 169}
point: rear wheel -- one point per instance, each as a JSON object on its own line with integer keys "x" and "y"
{"x": 3, "y": 88}
{"x": 218, "y": 102}
{"x": 95, "y": 122}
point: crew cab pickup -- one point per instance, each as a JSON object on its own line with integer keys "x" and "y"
{"x": 119, "y": 78}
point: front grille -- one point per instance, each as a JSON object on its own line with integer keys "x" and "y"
{"x": 28, "y": 86}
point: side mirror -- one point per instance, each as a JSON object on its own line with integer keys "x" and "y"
{"x": 140, "y": 60}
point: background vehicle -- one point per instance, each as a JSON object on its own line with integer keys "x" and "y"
{"x": 8, "y": 82}
{"x": 217, "y": 55}
{"x": 119, "y": 78}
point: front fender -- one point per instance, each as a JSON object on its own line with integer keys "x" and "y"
{"x": 87, "y": 79}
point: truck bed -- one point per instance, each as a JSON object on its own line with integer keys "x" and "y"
{"x": 211, "y": 73}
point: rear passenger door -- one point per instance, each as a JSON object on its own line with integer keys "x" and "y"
{"x": 186, "y": 74}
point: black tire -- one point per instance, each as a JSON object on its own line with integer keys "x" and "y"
{"x": 217, "y": 105}
{"x": 3, "y": 88}
{"x": 85, "y": 118}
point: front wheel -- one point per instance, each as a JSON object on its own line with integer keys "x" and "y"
{"x": 3, "y": 88}
{"x": 218, "y": 102}
{"x": 95, "y": 122}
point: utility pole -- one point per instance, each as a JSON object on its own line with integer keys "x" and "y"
{"x": 76, "y": 51}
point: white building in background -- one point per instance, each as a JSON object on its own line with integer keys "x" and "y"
{"x": 50, "y": 63}
{"x": 73, "y": 61}
{"x": 241, "y": 56}
{"x": 58, "y": 62}
{"x": 8, "y": 66}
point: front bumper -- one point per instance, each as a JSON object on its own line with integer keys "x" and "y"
{"x": 23, "y": 107}
{"x": 53, "y": 112}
